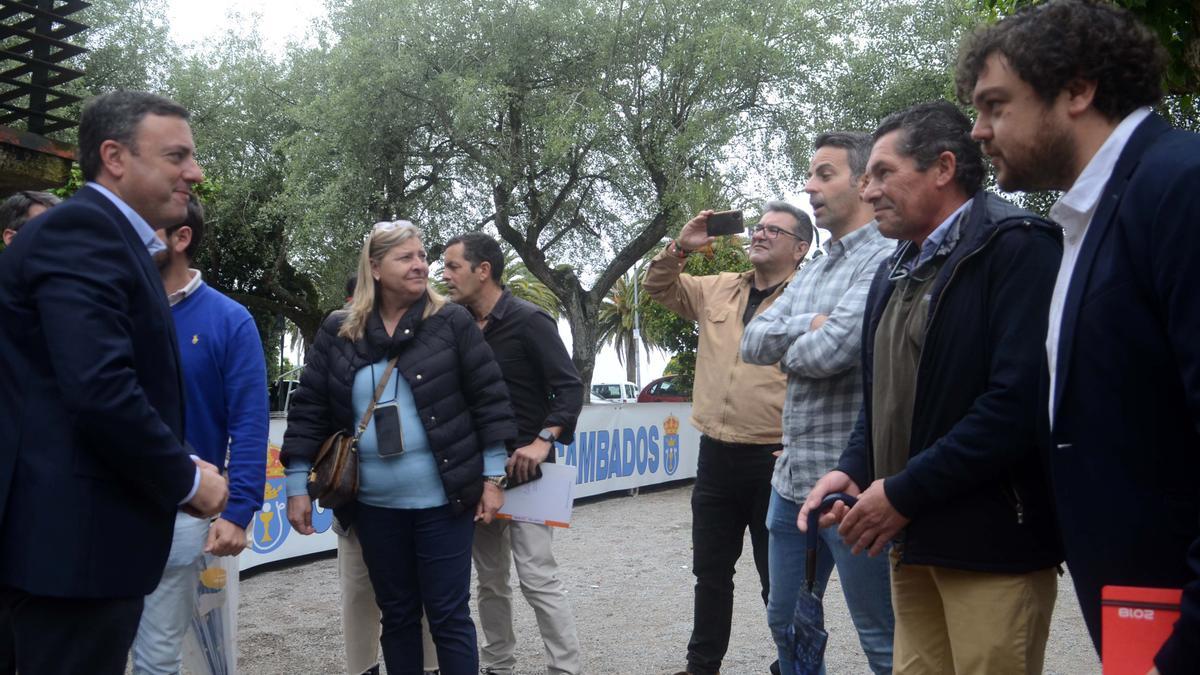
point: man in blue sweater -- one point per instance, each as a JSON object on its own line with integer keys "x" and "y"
{"x": 225, "y": 382}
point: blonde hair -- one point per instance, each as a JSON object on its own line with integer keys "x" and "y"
{"x": 383, "y": 237}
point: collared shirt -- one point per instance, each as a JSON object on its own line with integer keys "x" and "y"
{"x": 824, "y": 384}
{"x": 543, "y": 384}
{"x": 732, "y": 401}
{"x": 146, "y": 233}
{"x": 934, "y": 241}
{"x": 188, "y": 289}
{"x": 1074, "y": 211}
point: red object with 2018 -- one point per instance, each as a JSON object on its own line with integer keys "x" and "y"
{"x": 1135, "y": 623}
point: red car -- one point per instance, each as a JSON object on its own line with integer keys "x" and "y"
{"x": 665, "y": 390}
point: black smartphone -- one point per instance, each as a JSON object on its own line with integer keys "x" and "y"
{"x": 513, "y": 482}
{"x": 389, "y": 437}
{"x": 725, "y": 222}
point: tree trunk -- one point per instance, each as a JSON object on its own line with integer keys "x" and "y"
{"x": 631, "y": 356}
{"x": 584, "y": 337}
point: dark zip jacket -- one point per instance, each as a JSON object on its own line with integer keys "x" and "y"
{"x": 974, "y": 487}
{"x": 455, "y": 381}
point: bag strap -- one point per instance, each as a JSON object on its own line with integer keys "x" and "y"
{"x": 366, "y": 419}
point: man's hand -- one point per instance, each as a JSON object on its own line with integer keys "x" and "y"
{"x": 872, "y": 523}
{"x": 489, "y": 504}
{"x": 694, "y": 235}
{"x": 225, "y": 538}
{"x": 817, "y": 321}
{"x": 834, "y": 481}
{"x": 523, "y": 464}
{"x": 300, "y": 513}
{"x": 211, "y": 494}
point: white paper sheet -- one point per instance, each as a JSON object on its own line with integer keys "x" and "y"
{"x": 547, "y": 500}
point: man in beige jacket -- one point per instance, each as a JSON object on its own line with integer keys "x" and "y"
{"x": 736, "y": 406}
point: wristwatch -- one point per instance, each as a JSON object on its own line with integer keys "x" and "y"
{"x": 548, "y": 436}
{"x": 499, "y": 481}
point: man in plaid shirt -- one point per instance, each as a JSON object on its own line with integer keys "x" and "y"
{"x": 814, "y": 333}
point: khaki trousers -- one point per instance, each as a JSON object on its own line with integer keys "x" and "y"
{"x": 360, "y": 615}
{"x": 959, "y": 622}
{"x": 497, "y": 547}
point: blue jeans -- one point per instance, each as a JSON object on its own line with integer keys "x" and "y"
{"x": 865, "y": 583}
{"x": 421, "y": 557}
{"x": 168, "y": 611}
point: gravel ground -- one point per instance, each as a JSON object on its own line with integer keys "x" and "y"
{"x": 626, "y": 563}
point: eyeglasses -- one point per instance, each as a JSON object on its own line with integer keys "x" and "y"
{"x": 770, "y": 232}
{"x": 915, "y": 273}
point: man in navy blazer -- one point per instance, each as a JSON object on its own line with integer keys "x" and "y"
{"x": 1063, "y": 91}
{"x": 92, "y": 462}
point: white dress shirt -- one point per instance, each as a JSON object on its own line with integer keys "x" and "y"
{"x": 1074, "y": 211}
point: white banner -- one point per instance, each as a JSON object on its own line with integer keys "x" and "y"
{"x": 616, "y": 447}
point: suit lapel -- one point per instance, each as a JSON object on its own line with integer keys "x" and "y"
{"x": 149, "y": 271}
{"x": 1106, "y": 211}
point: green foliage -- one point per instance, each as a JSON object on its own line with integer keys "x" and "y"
{"x": 521, "y": 283}
{"x": 578, "y": 131}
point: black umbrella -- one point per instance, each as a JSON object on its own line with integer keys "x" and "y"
{"x": 808, "y": 635}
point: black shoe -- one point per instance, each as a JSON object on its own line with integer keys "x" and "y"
{"x": 775, "y": 668}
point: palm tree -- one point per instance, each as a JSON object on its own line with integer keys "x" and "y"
{"x": 616, "y": 321}
{"x": 521, "y": 283}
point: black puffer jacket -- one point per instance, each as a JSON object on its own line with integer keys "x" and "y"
{"x": 455, "y": 381}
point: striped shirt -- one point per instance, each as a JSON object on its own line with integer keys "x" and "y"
{"x": 824, "y": 391}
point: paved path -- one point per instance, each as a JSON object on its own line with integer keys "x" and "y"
{"x": 626, "y": 563}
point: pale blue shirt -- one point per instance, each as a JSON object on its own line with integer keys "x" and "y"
{"x": 144, "y": 232}
{"x": 934, "y": 241}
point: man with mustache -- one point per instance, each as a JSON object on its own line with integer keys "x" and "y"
{"x": 736, "y": 406}
{"x": 944, "y": 459}
{"x": 814, "y": 334}
{"x": 1064, "y": 93}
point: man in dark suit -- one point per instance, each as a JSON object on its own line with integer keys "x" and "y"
{"x": 92, "y": 462}
{"x": 1063, "y": 92}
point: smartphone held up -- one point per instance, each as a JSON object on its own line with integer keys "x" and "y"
{"x": 722, "y": 223}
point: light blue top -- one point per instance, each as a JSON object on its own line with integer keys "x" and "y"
{"x": 409, "y": 480}
{"x": 936, "y": 238}
{"x": 146, "y": 233}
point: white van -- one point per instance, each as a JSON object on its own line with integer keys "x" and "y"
{"x": 617, "y": 392}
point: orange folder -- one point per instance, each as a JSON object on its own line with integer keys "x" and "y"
{"x": 1135, "y": 622}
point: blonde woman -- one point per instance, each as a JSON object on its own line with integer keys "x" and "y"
{"x": 431, "y": 462}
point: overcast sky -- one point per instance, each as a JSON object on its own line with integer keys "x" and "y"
{"x": 279, "y": 20}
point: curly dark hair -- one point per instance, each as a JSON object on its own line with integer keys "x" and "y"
{"x": 929, "y": 129}
{"x": 1049, "y": 45}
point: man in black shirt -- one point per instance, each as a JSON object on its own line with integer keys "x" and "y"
{"x": 546, "y": 396}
